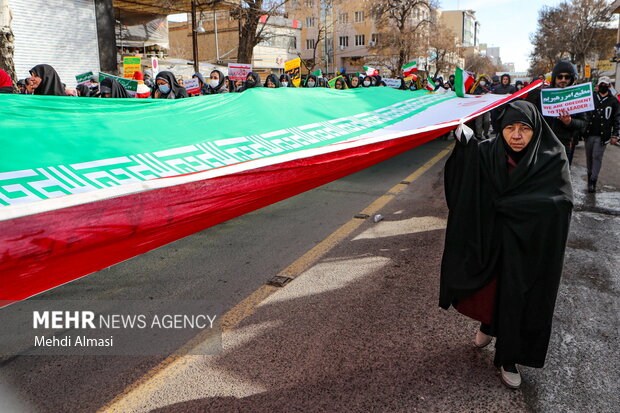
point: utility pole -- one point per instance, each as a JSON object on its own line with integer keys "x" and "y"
{"x": 194, "y": 38}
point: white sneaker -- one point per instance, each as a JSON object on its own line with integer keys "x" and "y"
{"x": 482, "y": 340}
{"x": 510, "y": 380}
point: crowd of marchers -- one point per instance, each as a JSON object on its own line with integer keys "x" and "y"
{"x": 597, "y": 128}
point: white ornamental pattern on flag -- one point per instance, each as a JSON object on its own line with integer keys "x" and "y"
{"x": 30, "y": 185}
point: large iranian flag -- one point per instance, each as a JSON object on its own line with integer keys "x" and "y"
{"x": 86, "y": 183}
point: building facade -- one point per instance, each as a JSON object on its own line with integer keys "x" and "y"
{"x": 218, "y": 39}
{"x": 464, "y": 24}
{"x": 340, "y": 34}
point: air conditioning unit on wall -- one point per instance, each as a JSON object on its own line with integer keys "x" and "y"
{"x": 371, "y": 43}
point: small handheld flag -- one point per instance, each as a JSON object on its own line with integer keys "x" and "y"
{"x": 370, "y": 71}
{"x": 409, "y": 68}
{"x": 431, "y": 85}
{"x": 463, "y": 80}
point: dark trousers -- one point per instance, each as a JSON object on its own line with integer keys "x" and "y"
{"x": 594, "y": 156}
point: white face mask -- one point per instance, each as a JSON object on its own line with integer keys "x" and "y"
{"x": 284, "y": 84}
{"x": 367, "y": 83}
{"x": 214, "y": 82}
{"x": 483, "y": 83}
{"x": 311, "y": 83}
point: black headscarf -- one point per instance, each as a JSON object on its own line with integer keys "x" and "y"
{"x": 510, "y": 227}
{"x": 403, "y": 84}
{"x": 286, "y": 78}
{"x": 359, "y": 81}
{"x": 274, "y": 79}
{"x": 50, "y": 81}
{"x": 204, "y": 88}
{"x": 220, "y": 88}
{"x": 84, "y": 90}
{"x": 111, "y": 86}
{"x": 251, "y": 81}
{"x": 176, "y": 91}
{"x": 313, "y": 77}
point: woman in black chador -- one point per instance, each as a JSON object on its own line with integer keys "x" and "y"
{"x": 510, "y": 202}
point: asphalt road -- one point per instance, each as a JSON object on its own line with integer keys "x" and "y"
{"x": 358, "y": 329}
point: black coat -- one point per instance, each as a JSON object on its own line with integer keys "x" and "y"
{"x": 604, "y": 121}
{"x": 510, "y": 227}
{"x": 567, "y": 134}
{"x": 113, "y": 87}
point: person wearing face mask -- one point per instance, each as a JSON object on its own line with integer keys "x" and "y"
{"x": 367, "y": 82}
{"x": 272, "y": 81}
{"x": 285, "y": 81}
{"x": 236, "y": 85}
{"x": 217, "y": 83}
{"x": 603, "y": 128}
{"x": 167, "y": 87}
{"x": 518, "y": 85}
{"x": 204, "y": 87}
{"x": 566, "y": 127}
{"x": 251, "y": 81}
{"x": 483, "y": 122}
{"x": 311, "y": 81}
{"x": 450, "y": 83}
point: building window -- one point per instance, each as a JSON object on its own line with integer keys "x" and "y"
{"x": 343, "y": 41}
{"x": 310, "y": 21}
{"x": 360, "y": 40}
{"x": 309, "y": 43}
{"x": 374, "y": 39}
{"x": 359, "y": 16}
{"x": 343, "y": 18}
{"x": 309, "y": 3}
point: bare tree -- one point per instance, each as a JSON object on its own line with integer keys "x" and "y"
{"x": 573, "y": 29}
{"x": 443, "y": 45}
{"x": 480, "y": 64}
{"x": 403, "y": 36}
{"x": 314, "y": 61}
{"x": 251, "y": 30}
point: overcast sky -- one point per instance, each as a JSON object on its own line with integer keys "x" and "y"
{"x": 503, "y": 23}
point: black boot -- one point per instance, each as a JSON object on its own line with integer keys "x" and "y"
{"x": 591, "y": 185}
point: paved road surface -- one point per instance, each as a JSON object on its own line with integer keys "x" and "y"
{"x": 358, "y": 330}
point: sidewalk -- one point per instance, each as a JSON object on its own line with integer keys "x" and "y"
{"x": 360, "y": 331}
